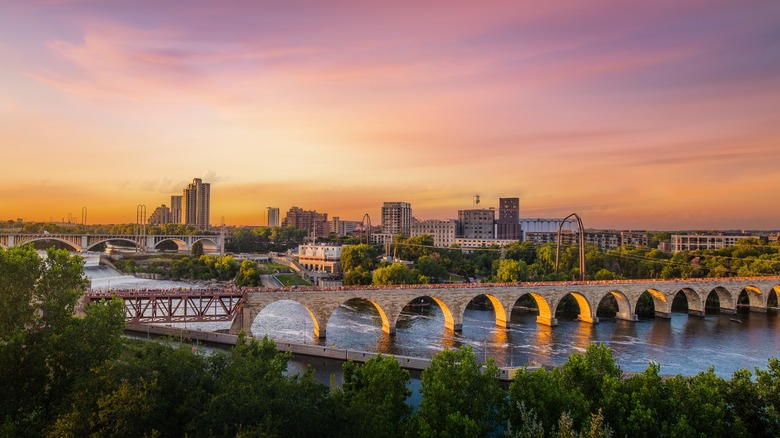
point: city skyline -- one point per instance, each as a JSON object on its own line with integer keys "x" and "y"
{"x": 636, "y": 116}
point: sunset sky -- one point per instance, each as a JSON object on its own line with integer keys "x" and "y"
{"x": 655, "y": 115}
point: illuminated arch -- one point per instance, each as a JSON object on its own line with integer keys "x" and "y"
{"x": 755, "y": 298}
{"x": 449, "y": 321}
{"x": 315, "y": 322}
{"x": 586, "y": 314}
{"x": 545, "y": 313}
{"x": 498, "y": 308}
{"x": 625, "y": 311}
{"x": 386, "y": 327}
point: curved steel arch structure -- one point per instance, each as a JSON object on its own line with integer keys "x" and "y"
{"x": 366, "y": 229}
{"x": 582, "y": 245}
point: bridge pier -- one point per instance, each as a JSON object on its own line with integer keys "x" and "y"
{"x": 758, "y": 309}
{"x": 665, "y": 315}
{"x": 625, "y": 316}
{"x": 588, "y": 319}
{"x": 552, "y": 322}
{"x": 728, "y": 311}
{"x": 695, "y": 312}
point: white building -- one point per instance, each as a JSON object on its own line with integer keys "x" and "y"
{"x": 687, "y": 242}
{"x": 468, "y": 245}
{"x": 442, "y": 231}
{"x": 325, "y": 258}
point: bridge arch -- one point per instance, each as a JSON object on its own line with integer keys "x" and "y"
{"x": 773, "y": 298}
{"x": 756, "y": 300}
{"x": 726, "y": 301}
{"x": 624, "y": 308}
{"x": 694, "y": 301}
{"x": 208, "y": 240}
{"x": 662, "y": 306}
{"x": 546, "y": 316}
{"x": 56, "y": 239}
{"x": 449, "y": 318}
{"x": 384, "y": 320}
{"x": 498, "y": 309}
{"x": 316, "y": 316}
{"x": 181, "y": 244}
{"x": 111, "y": 239}
{"x": 586, "y": 312}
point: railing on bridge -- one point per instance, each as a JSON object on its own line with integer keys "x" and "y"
{"x": 175, "y": 305}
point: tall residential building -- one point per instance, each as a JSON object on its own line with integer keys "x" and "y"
{"x": 196, "y": 206}
{"x": 508, "y": 219}
{"x": 176, "y": 202}
{"x": 160, "y": 216}
{"x": 273, "y": 216}
{"x": 397, "y": 218}
{"x": 477, "y": 223}
{"x": 311, "y": 221}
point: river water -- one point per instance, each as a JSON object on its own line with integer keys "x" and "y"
{"x": 682, "y": 344}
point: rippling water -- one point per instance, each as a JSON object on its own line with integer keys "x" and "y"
{"x": 681, "y": 345}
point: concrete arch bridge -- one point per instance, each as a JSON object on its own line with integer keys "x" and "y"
{"x": 85, "y": 242}
{"x": 761, "y": 294}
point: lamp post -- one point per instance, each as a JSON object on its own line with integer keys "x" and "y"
{"x": 84, "y": 218}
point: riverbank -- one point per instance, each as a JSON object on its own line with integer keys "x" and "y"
{"x": 506, "y": 374}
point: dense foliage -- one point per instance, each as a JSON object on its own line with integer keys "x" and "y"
{"x": 264, "y": 239}
{"x": 525, "y": 261}
{"x": 65, "y": 375}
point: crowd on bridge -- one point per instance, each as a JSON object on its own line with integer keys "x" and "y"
{"x": 236, "y": 290}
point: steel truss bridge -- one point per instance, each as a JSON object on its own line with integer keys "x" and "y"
{"x": 186, "y": 305}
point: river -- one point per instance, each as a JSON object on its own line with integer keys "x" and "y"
{"x": 682, "y": 344}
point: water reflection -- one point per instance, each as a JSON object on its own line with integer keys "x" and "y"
{"x": 682, "y": 344}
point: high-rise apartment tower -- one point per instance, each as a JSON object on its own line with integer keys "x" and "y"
{"x": 397, "y": 218}
{"x": 273, "y": 216}
{"x": 196, "y": 204}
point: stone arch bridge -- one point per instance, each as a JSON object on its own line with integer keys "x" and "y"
{"x": 453, "y": 299}
{"x": 84, "y": 242}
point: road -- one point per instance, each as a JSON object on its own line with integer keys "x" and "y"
{"x": 270, "y": 281}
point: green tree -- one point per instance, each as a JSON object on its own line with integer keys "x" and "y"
{"x": 395, "y": 273}
{"x": 253, "y": 396}
{"x": 431, "y": 268}
{"x": 44, "y": 350}
{"x": 354, "y": 256}
{"x": 460, "y": 394}
{"x": 357, "y": 276}
{"x": 374, "y": 396}
{"x": 511, "y": 271}
{"x": 248, "y": 274}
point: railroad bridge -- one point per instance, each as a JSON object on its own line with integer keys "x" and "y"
{"x": 453, "y": 299}
{"x": 84, "y": 242}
